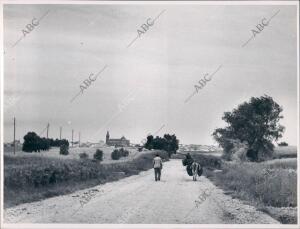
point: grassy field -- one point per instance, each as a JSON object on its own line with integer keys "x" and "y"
{"x": 30, "y": 178}
{"x": 74, "y": 153}
{"x": 285, "y": 152}
{"x": 271, "y": 186}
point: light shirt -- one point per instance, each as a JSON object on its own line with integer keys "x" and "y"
{"x": 157, "y": 162}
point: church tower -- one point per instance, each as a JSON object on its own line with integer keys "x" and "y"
{"x": 107, "y": 137}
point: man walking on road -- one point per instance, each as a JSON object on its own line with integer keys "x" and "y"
{"x": 157, "y": 165}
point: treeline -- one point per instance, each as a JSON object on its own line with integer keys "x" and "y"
{"x": 34, "y": 143}
{"x": 168, "y": 143}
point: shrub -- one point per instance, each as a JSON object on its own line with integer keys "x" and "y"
{"x": 283, "y": 144}
{"x": 83, "y": 155}
{"x": 98, "y": 155}
{"x": 124, "y": 153}
{"x": 208, "y": 160}
{"x": 115, "y": 155}
{"x": 64, "y": 149}
{"x": 118, "y": 153}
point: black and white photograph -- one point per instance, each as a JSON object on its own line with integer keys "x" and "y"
{"x": 149, "y": 114}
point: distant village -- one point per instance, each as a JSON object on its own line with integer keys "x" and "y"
{"x": 124, "y": 142}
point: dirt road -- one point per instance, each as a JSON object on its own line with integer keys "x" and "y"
{"x": 139, "y": 199}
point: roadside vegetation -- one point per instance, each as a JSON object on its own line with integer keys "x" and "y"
{"x": 270, "y": 186}
{"x": 251, "y": 168}
{"x": 28, "y": 179}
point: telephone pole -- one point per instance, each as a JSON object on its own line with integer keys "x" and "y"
{"x": 60, "y": 130}
{"x": 47, "y": 129}
{"x": 79, "y": 140}
{"x": 72, "y": 136}
{"x": 14, "y": 135}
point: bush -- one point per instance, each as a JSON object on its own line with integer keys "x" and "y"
{"x": 208, "y": 160}
{"x": 83, "y": 155}
{"x": 98, "y": 155}
{"x": 118, "y": 153}
{"x": 64, "y": 150}
{"x": 115, "y": 155}
{"x": 283, "y": 144}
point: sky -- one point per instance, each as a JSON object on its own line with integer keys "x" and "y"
{"x": 143, "y": 87}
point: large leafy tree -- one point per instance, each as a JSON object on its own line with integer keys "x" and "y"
{"x": 31, "y": 142}
{"x": 168, "y": 143}
{"x": 171, "y": 143}
{"x": 255, "y": 123}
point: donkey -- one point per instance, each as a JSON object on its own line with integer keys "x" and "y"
{"x": 196, "y": 167}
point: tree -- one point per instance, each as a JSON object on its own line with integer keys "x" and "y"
{"x": 149, "y": 143}
{"x": 44, "y": 144}
{"x": 63, "y": 142}
{"x": 168, "y": 143}
{"x": 98, "y": 155}
{"x": 64, "y": 149}
{"x": 171, "y": 145}
{"x": 31, "y": 142}
{"x": 255, "y": 123}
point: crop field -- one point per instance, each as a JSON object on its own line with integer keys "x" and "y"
{"x": 75, "y": 151}
{"x": 32, "y": 178}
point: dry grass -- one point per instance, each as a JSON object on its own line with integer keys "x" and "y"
{"x": 285, "y": 152}
{"x": 33, "y": 178}
{"x": 264, "y": 183}
{"x": 267, "y": 185}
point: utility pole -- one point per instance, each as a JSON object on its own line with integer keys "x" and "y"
{"x": 72, "y": 136}
{"x": 47, "y": 129}
{"x": 14, "y": 135}
{"x": 79, "y": 140}
{"x": 60, "y": 130}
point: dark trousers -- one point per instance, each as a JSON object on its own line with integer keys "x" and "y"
{"x": 157, "y": 173}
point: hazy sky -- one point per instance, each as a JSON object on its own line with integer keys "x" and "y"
{"x": 143, "y": 87}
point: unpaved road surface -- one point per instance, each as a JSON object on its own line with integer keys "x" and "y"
{"x": 176, "y": 199}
